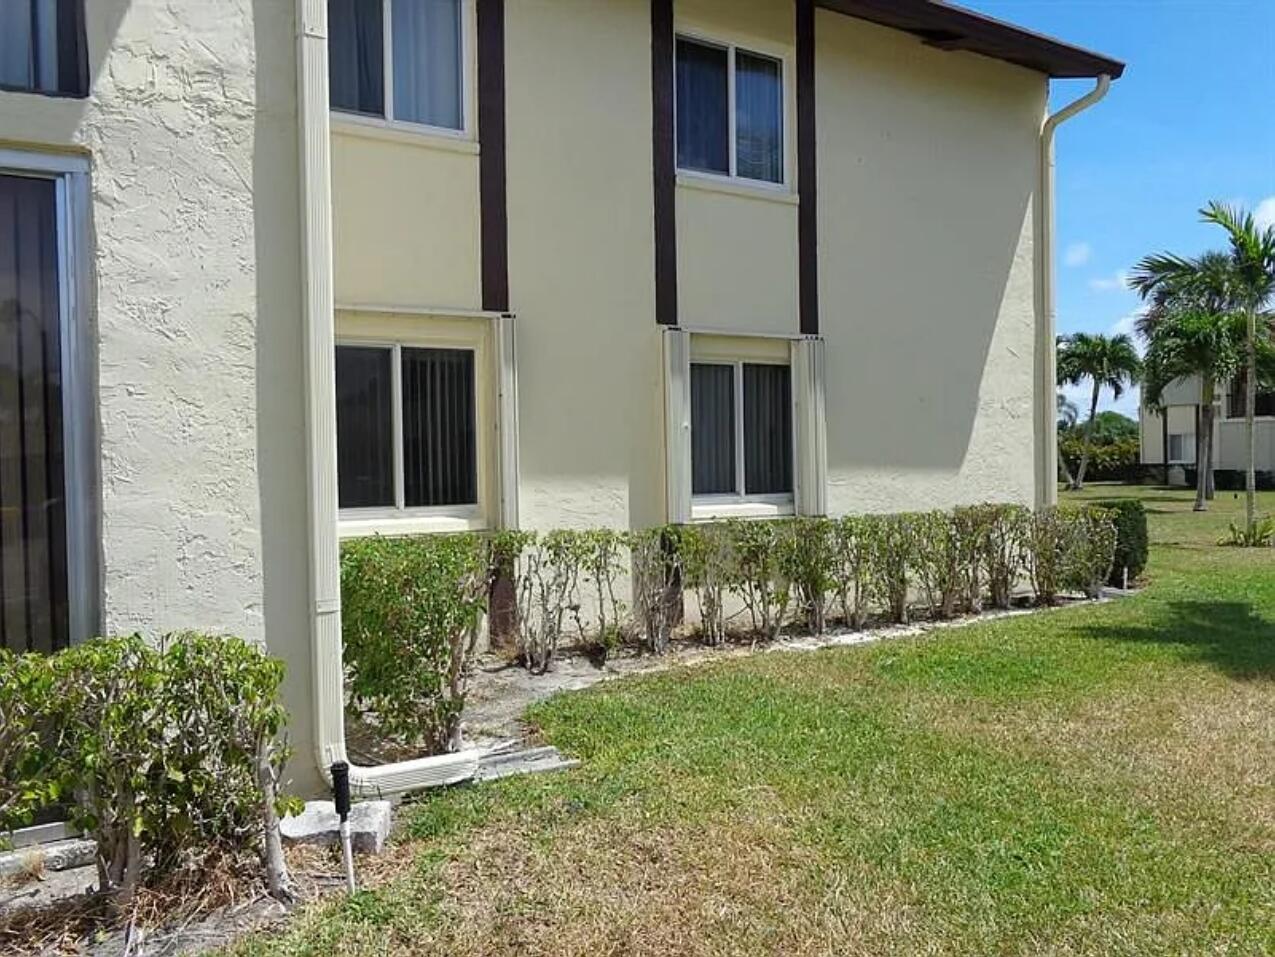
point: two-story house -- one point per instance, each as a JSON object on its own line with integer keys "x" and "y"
{"x": 275, "y": 273}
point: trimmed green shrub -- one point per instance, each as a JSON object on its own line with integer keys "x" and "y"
{"x": 548, "y": 591}
{"x": 26, "y": 691}
{"x": 940, "y": 561}
{"x": 411, "y": 613}
{"x": 709, "y": 567}
{"x": 1131, "y": 538}
{"x": 656, "y": 581}
{"x": 853, "y": 550}
{"x": 763, "y": 584}
{"x": 170, "y": 753}
{"x": 1005, "y": 550}
{"x": 1070, "y": 548}
{"x": 808, "y": 559}
{"x": 892, "y": 558}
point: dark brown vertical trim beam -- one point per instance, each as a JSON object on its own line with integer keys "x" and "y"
{"x": 494, "y": 213}
{"x": 807, "y": 173}
{"x": 664, "y": 156}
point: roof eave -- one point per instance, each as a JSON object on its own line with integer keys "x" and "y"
{"x": 948, "y": 27}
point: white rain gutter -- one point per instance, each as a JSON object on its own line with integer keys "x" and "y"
{"x": 1047, "y": 480}
{"x": 318, "y": 319}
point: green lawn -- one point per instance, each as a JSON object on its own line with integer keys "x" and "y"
{"x": 1096, "y": 780}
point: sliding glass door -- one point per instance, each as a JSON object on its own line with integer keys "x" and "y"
{"x": 34, "y": 608}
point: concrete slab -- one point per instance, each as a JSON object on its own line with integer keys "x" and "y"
{"x": 319, "y": 825}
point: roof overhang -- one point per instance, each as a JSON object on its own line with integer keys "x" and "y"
{"x": 946, "y": 27}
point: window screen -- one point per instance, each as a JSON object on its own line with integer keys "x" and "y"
{"x": 365, "y": 427}
{"x": 713, "y": 429}
{"x": 759, "y": 117}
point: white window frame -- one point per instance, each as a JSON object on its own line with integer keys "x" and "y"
{"x": 388, "y": 120}
{"x": 79, "y": 410}
{"x": 783, "y": 58}
{"x": 469, "y": 516}
{"x": 1188, "y": 447}
{"x": 741, "y": 503}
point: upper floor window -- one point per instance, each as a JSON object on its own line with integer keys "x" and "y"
{"x": 1238, "y": 399}
{"x": 398, "y": 59}
{"x": 730, "y": 111}
{"x": 42, "y": 47}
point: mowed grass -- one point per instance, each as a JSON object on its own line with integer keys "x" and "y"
{"x": 1094, "y": 780}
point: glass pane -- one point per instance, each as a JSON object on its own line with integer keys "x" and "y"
{"x": 33, "y": 595}
{"x": 15, "y": 45}
{"x": 440, "y": 447}
{"x": 427, "y": 62}
{"x": 712, "y": 429}
{"x": 703, "y": 108}
{"x": 364, "y": 427}
{"x": 767, "y": 430}
{"x": 356, "y": 65}
{"x": 759, "y": 117}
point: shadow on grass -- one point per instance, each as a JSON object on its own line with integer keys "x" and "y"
{"x": 1229, "y": 635}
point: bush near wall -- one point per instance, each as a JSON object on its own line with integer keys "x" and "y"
{"x": 1115, "y": 461}
{"x": 413, "y": 606}
{"x": 169, "y": 755}
{"x": 1132, "y": 543}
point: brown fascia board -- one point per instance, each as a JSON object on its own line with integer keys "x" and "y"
{"x": 948, "y": 27}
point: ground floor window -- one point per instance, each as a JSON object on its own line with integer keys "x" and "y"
{"x": 741, "y": 429}
{"x": 1181, "y": 447}
{"x": 407, "y": 427}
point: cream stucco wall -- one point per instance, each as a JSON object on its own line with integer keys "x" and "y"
{"x": 582, "y": 261}
{"x": 737, "y": 241}
{"x": 928, "y": 175}
{"x": 190, "y": 132}
{"x": 404, "y": 218}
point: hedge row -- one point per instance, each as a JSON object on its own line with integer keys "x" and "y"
{"x": 165, "y": 754}
{"x": 413, "y": 607}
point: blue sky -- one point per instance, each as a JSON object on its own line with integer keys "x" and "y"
{"x": 1192, "y": 119}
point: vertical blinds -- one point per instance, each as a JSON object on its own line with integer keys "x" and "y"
{"x": 33, "y": 569}
{"x": 759, "y": 117}
{"x": 440, "y": 460}
{"x": 703, "y": 107}
{"x": 427, "y": 61}
{"x": 356, "y": 66}
{"x": 767, "y": 429}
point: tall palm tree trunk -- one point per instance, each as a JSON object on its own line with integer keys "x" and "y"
{"x": 1079, "y": 482}
{"x": 1204, "y": 451}
{"x": 1250, "y": 436}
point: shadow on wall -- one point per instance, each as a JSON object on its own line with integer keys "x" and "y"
{"x": 911, "y": 394}
{"x": 281, "y": 460}
{"x": 1229, "y": 635}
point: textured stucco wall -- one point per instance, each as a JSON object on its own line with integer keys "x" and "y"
{"x": 191, "y": 134}
{"x": 928, "y": 174}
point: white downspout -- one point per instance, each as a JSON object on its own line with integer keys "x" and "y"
{"x": 1047, "y": 481}
{"x": 318, "y": 318}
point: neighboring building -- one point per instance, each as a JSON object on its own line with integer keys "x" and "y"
{"x": 761, "y": 258}
{"x": 1169, "y": 438}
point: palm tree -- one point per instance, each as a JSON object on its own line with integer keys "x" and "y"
{"x": 1253, "y": 256}
{"x": 1240, "y": 284}
{"x": 1068, "y": 416}
{"x": 1193, "y": 341}
{"x": 1108, "y": 362}
{"x": 1179, "y": 290}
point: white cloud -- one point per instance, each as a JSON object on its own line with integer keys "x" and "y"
{"x": 1265, "y": 213}
{"x": 1127, "y": 325}
{"x": 1118, "y": 280}
{"x": 1078, "y": 254}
